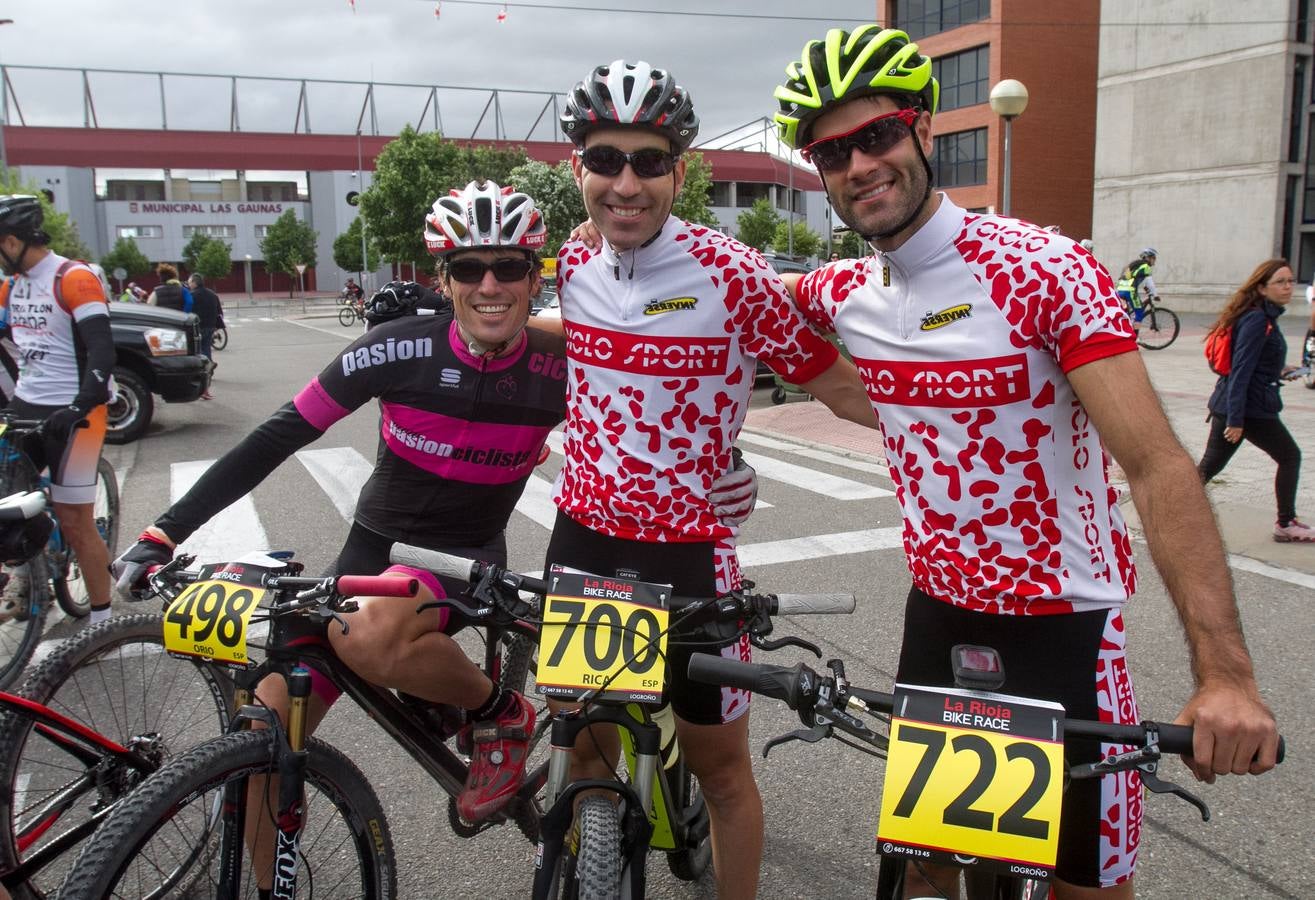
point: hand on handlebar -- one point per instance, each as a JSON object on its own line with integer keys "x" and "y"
{"x": 1234, "y": 731}
{"x": 132, "y": 568}
{"x": 733, "y": 494}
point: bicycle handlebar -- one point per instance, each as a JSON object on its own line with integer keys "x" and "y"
{"x": 377, "y": 586}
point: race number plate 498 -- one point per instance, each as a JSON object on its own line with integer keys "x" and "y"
{"x": 603, "y": 634}
{"x": 209, "y": 621}
{"x": 973, "y": 779}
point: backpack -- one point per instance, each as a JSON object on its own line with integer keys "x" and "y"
{"x": 1219, "y": 348}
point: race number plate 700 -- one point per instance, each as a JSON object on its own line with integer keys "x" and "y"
{"x": 603, "y": 634}
{"x": 209, "y": 620}
{"x": 973, "y": 779}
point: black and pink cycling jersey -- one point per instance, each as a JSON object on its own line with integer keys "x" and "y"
{"x": 662, "y": 341}
{"x": 963, "y": 337}
{"x": 459, "y": 433}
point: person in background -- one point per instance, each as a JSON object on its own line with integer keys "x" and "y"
{"x": 1134, "y": 283}
{"x": 128, "y": 295}
{"x": 170, "y": 294}
{"x": 205, "y": 303}
{"x": 1246, "y": 402}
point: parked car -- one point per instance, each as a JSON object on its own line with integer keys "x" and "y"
{"x": 785, "y": 265}
{"x": 546, "y": 304}
{"x": 157, "y": 352}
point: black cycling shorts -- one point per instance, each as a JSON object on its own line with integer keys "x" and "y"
{"x": 691, "y": 570}
{"x": 1076, "y": 659}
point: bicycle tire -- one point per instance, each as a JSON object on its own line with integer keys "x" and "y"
{"x": 690, "y": 862}
{"x": 191, "y": 784}
{"x": 593, "y": 871}
{"x": 66, "y": 573}
{"x": 77, "y": 681}
{"x": 347, "y": 316}
{"x": 518, "y": 662}
{"x": 21, "y": 632}
{"x": 1163, "y": 326}
{"x": 220, "y": 340}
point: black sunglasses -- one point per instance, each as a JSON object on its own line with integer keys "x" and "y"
{"x": 647, "y": 163}
{"x": 469, "y": 270}
{"x": 874, "y": 136}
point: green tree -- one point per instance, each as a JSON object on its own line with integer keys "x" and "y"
{"x": 64, "y": 237}
{"x": 692, "y": 204}
{"x": 806, "y": 241}
{"x": 410, "y": 173}
{"x": 289, "y": 241}
{"x": 757, "y": 224}
{"x": 215, "y": 260}
{"x": 347, "y": 250}
{"x": 127, "y": 256}
{"x": 192, "y": 249}
{"x": 555, "y": 193}
{"x": 853, "y": 246}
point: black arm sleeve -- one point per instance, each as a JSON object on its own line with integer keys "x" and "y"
{"x": 238, "y": 471}
{"x": 94, "y": 333}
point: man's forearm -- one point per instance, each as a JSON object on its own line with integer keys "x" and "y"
{"x": 1189, "y": 554}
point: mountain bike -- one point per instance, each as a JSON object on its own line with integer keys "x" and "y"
{"x": 353, "y": 313}
{"x": 602, "y": 644}
{"x": 1308, "y": 362}
{"x": 1003, "y": 755}
{"x": 1159, "y": 325}
{"x": 28, "y": 583}
{"x": 326, "y": 832}
{"x": 220, "y": 340}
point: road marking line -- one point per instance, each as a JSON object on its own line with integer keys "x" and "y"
{"x": 812, "y": 480}
{"x": 346, "y": 336}
{"x": 1247, "y": 564}
{"x": 341, "y": 472}
{"x": 835, "y": 459}
{"x": 234, "y": 531}
{"x": 536, "y": 503}
{"x": 767, "y": 553}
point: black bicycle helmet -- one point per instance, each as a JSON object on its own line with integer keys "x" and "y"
{"x": 21, "y": 216}
{"x": 394, "y": 299}
{"x": 22, "y": 539}
{"x": 623, "y": 93}
{"x": 845, "y": 65}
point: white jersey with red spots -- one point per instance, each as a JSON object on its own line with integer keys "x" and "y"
{"x": 661, "y": 342}
{"x": 963, "y": 337}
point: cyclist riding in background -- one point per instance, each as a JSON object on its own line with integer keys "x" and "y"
{"x": 353, "y": 290}
{"x": 634, "y": 492}
{"x": 466, "y": 403}
{"x": 1011, "y": 530}
{"x": 1136, "y": 282}
{"x": 57, "y": 315}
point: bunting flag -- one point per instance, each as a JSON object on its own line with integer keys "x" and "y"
{"x": 502, "y": 14}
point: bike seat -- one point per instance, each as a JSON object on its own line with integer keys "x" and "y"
{"x": 23, "y": 506}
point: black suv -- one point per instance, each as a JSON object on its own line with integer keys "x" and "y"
{"x": 157, "y": 351}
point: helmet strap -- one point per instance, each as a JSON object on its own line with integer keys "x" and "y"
{"x": 15, "y": 265}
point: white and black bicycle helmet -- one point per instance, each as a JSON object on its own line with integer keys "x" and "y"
{"x": 482, "y": 214}
{"x": 624, "y": 93}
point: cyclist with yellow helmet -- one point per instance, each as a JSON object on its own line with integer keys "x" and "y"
{"x": 997, "y": 358}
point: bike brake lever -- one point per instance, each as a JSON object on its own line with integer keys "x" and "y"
{"x": 808, "y": 735}
{"x": 788, "y": 641}
{"x": 1157, "y": 785}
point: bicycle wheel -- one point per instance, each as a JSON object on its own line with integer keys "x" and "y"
{"x": 23, "y": 605}
{"x": 690, "y": 862}
{"x": 347, "y": 316}
{"x": 147, "y": 847}
{"x": 115, "y": 679}
{"x": 220, "y": 340}
{"x": 1159, "y": 329}
{"x": 593, "y": 871}
{"x": 66, "y": 578}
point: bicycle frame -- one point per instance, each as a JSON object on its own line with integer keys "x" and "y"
{"x": 88, "y": 748}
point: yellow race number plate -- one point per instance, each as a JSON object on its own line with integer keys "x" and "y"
{"x": 603, "y": 634}
{"x": 973, "y": 779}
{"x": 209, "y": 621}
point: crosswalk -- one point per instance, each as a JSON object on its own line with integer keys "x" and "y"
{"x": 340, "y": 472}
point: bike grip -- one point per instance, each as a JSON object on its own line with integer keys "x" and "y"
{"x": 377, "y": 586}
{"x": 1178, "y": 739}
{"x": 457, "y": 567}
{"x": 770, "y": 681}
{"x": 814, "y": 604}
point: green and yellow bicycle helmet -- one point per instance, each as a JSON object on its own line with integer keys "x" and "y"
{"x": 845, "y": 65}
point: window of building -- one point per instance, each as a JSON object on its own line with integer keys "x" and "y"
{"x": 964, "y": 77}
{"x": 139, "y": 231}
{"x": 923, "y": 17}
{"x": 211, "y": 231}
{"x": 1308, "y": 199}
{"x": 262, "y": 231}
{"x": 783, "y": 194}
{"x": 204, "y": 185}
{"x": 1302, "y": 32}
{"x": 1296, "y": 114}
{"x": 959, "y": 159}
{"x": 129, "y": 184}
{"x": 749, "y": 192}
{"x": 267, "y": 186}
{"x": 721, "y": 193}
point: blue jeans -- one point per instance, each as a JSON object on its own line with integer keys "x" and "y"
{"x": 207, "y": 343}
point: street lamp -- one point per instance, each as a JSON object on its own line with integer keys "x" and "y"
{"x": 1008, "y": 100}
{"x": 360, "y": 184}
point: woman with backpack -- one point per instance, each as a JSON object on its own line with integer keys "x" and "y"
{"x": 1245, "y": 402}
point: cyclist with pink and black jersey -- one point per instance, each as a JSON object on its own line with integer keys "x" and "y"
{"x": 997, "y": 357}
{"x": 663, "y": 323}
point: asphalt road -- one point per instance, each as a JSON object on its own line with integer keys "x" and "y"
{"x": 821, "y": 801}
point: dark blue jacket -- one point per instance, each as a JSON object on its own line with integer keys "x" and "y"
{"x": 1250, "y": 390}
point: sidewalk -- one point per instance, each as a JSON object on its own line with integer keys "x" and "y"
{"x": 1243, "y": 494}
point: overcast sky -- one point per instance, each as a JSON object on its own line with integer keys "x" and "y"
{"x": 729, "y": 64}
